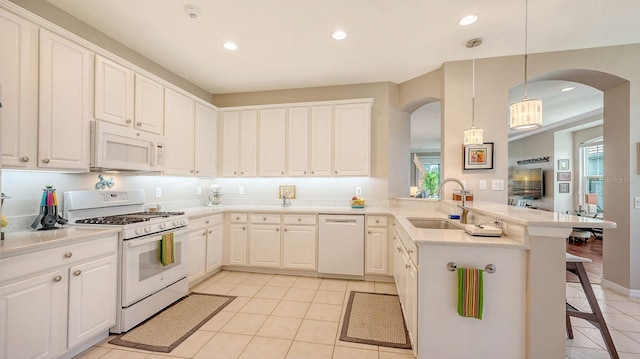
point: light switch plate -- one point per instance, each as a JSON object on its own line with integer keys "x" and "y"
{"x": 497, "y": 185}
{"x": 358, "y": 191}
{"x": 482, "y": 184}
{"x": 158, "y": 192}
{"x": 240, "y": 190}
{"x": 637, "y": 202}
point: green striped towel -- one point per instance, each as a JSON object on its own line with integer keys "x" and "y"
{"x": 166, "y": 249}
{"x": 470, "y": 292}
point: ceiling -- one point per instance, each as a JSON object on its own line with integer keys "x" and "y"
{"x": 288, "y": 44}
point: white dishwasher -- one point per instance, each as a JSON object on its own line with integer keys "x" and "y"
{"x": 341, "y": 244}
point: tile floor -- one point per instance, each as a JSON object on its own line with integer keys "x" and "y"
{"x": 278, "y": 316}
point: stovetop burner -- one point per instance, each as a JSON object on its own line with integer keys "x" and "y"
{"x": 124, "y": 219}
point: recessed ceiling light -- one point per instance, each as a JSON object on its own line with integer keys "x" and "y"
{"x": 468, "y": 20}
{"x": 230, "y": 45}
{"x": 192, "y": 11}
{"x": 339, "y": 35}
{"x": 567, "y": 89}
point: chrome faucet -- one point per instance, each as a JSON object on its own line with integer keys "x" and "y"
{"x": 286, "y": 202}
{"x": 463, "y": 194}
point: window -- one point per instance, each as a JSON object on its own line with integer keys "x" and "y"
{"x": 431, "y": 167}
{"x": 593, "y": 175}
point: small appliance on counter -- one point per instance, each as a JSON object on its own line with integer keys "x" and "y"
{"x": 3, "y": 220}
{"x": 482, "y": 230}
{"x": 48, "y": 216}
{"x": 215, "y": 195}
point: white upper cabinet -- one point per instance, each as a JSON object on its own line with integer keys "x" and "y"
{"x": 272, "y": 139}
{"x": 66, "y": 85}
{"x": 205, "y": 141}
{"x": 17, "y": 78}
{"x": 239, "y": 143}
{"x": 320, "y": 148}
{"x": 126, "y": 98}
{"x": 179, "y": 111}
{"x": 352, "y": 137}
{"x": 298, "y": 141}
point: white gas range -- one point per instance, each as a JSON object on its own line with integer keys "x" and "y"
{"x": 145, "y": 285}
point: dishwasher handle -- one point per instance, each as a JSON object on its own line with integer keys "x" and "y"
{"x": 330, "y": 220}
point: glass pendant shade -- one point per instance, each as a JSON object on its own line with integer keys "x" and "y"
{"x": 525, "y": 114}
{"x": 473, "y": 136}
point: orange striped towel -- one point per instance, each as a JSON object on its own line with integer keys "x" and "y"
{"x": 470, "y": 292}
{"x": 166, "y": 249}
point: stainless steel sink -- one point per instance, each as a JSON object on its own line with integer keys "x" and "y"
{"x": 434, "y": 223}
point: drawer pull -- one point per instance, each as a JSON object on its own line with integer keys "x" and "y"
{"x": 407, "y": 266}
{"x": 299, "y": 219}
{"x": 377, "y": 221}
{"x": 237, "y": 218}
{"x": 77, "y": 273}
{"x": 399, "y": 249}
{"x": 207, "y": 222}
{"x": 243, "y": 228}
{"x": 57, "y": 278}
{"x": 24, "y": 159}
{"x": 410, "y": 251}
{"x": 210, "y": 231}
{"x": 68, "y": 255}
{"x": 264, "y": 218}
{"x": 46, "y": 160}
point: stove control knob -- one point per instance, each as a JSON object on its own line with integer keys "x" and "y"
{"x": 183, "y": 222}
{"x": 147, "y": 229}
{"x": 139, "y": 230}
{"x": 163, "y": 225}
{"x": 175, "y": 223}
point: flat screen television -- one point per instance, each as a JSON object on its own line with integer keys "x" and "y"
{"x": 526, "y": 183}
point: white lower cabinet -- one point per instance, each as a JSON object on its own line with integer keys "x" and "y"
{"x": 205, "y": 247}
{"x": 376, "y": 245}
{"x": 299, "y": 242}
{"x": 237, "y": 254}
{"x": 405, "y": 273}
{"x": 264, "y": 245}
{"x": 54, "y": 300}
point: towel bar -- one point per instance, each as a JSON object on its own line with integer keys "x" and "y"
{"x": 489, "y": 268}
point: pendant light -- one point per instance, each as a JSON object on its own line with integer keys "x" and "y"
{"x": 473, "y": 135}
{"x": 525, "y": 114}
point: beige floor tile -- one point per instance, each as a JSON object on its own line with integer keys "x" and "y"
{"x": 266, "y": 348}
{"x": 629, "y": 356}
{"x": 280, "y": 327}
{"x": 334, "y": 284}
{"x": 223, "y": 346}
{"x": 218, "y": 288}
{"x": 93, "y": 353}
{"x": 300, "y": 295}
{"x": 621, "y": 322}
{"x": 395, "y": 350}
{"x": 236, "y": 304}
{"x": 271, "y": 292}
{"x": 291, "y": 309}
{"x": 626, "y": 307}
{"x": 581, "y": 340}
{"x": 192, "y": 345}
{"x": 622, "y": 342}
{"x": 260, "y": 306}
{"x": 329, "y": 297}
{"x": 586, "y": 353}
{"x": 243, "y": 323}
{"x": 326, "y": 312}
{"x": 282, "y": 281}
{"x": 234, "y": 277}
{"x": 384, "y": 287}
{"x": 360, "y": 286}
{"x": 307, "y": 283}
{"x": 304, "y": 350}
{"x": 388, "y": 355}
{"x": 245, "y": 290}
{"x": 258, "y": 278}
{"x": 164, "y": 356}
{"x": 218, "y": 321}
{"x": 340, "y": 343}
{"x": 354, "y": 353}
{"x": 124, "y": 354}
{"x": 316, "y": 331}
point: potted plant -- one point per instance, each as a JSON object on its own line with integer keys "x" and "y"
{"x": 431, "y": 182}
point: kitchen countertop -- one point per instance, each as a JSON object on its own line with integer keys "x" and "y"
{"x": 17, "y": 243}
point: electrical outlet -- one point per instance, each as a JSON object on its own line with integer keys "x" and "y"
{"x": 358, "y": 191}
{"x": 199, "y": 190}
{"x": 637, "y": 202}
{"x": 240, "y": 190}
{"x": 158, "y": 192}
{"x": 482, "y": 184}
{"x": 497, "y": 185}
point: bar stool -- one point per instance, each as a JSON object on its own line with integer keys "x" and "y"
{"x": 579, "y": 235}
{"x": 575, "y": 265}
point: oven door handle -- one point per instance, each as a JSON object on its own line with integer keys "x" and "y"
{"x": 142, "y": 241}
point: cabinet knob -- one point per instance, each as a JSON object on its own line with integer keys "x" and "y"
{"x": 204, "y": 233}
{"x": 235, "y": 173}
{"x": 407, "y": 266}
{"x": 281, "y": 172}
{"x": 299, "y": 219}
{"x": 197, "y": 171}
{"x": 138, "y": 124}
{"x": 243, "y": 228}
{"x": 241, "y": 172}
{"x": 128, "y": 120}
{"x": 24, "y": 159}
{"x": 410, "y": 250}
{"x": 237, "y": 218}
{"x": 68, "y": 255}
{"x": 399, "y": 249}
{"x": 305, "y": 172}
{"x": 77, "y": 273}
{"x": 207, "y": 222}
{"x": 210, "y": 231}
{"x": 369, "y": 232}
{"x": 46, "y": 160}
{"x": 264, "y": 218}
{"x": 285, "y": 229}
{"x": 377, "y": 221}
{"x": 57, "y": 278}
{"x": 312, "y": 172}
{"x": 190, "y": 171}
{"x": 277, "y": 229}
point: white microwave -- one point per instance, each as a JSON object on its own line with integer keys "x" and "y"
{"x": 115, "y": 147}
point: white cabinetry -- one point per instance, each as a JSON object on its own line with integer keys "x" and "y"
{"x": 127, "y": 98}
{"x": 272, "y": 142}
{"x": 376, "y": 245}
{"x": 239, "y": 143}
{"x": 264, "y": 240}
{"x": 65, "y": 103}
{"x": 238, "y": 239}
{"x": 205, "y": 247}
{"x": 352, "y": 138}
{"x": 321, "y": 145}
{"x": 309, "y": 141}
{"x": 206, "y": 141}
{"x": 405, "y": 272}
{"x": 298, "y": 141}
{"x": 18, "y": 77}
{"x": 54, "y": 300}
{"x": 299, "y": 237}
{"x": 179, "y": 122}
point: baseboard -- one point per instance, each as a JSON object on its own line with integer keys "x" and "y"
{"x": 617, "y": 288}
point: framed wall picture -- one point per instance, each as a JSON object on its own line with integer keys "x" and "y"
{"x": 564, "y": 176}
{"x": 478, "y": 157}
{"x": 563, "y": 187}
{"x": 563, "y": 165}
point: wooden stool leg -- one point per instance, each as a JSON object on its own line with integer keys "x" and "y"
{"x": 595, "y": 308}
{"x": 569, "y": 329}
